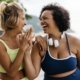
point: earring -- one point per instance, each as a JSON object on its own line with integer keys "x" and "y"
{"x": 54, "y": 42}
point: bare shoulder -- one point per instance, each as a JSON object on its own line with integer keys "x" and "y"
{"x": 35, "y": 46}
{"x": 1, "y": 44}
{"x": 2, "y": 48}
{"x": 74, "y": 39}
{"x": 3, "y": 53}
{"x": 45, "y": 37}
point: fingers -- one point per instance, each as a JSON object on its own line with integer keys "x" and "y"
{"x": 28, "y": 33}
{"x": 21, "y": 36}
{"x": 41, "y": 42}
{"x": 29, "y": 36}
{"x": 26, "y": 39}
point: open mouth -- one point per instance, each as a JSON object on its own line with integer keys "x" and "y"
{"x": 45, "y": 26}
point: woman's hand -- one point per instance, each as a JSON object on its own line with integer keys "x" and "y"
{"x": 26, "y": 39}
{"x": 41, "y": 42}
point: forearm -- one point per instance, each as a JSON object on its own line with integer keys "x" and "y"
{"x": 20, "y": 74}
{"x": 30, "y": 70}
{"x": 5, "y": 76}
{"x": 14, "y": 66}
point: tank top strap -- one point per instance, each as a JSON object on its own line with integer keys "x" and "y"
{"x": 67, "y": 43}
{"x": 4, "y": 43}
{"x": 47, "y": 36}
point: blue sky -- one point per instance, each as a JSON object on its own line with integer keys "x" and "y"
{"x": 73, "y": 6}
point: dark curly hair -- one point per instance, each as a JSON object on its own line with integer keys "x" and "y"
{"x": 60, "y": 16}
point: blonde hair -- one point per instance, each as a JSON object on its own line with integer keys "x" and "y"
{"x": 9, "y": 15}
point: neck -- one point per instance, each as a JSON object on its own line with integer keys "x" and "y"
{"x": 55, "y": 39}
{"x": 55, "y": 35}
{"x": 10, "y": 34}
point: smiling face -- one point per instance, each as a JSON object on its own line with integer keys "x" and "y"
{"x": 47, "y": 22}
{"x": 21, "y": 23}
{"x": 14, "y": 17}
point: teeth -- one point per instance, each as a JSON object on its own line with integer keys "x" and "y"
{"x": 45, "y": 26}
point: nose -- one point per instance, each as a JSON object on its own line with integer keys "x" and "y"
{"x": 25, "y": 22}
{"x": 41, "y": 22}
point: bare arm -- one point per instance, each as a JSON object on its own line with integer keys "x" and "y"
{"x": 12, "y": 67}
{"x": 78, "y": 53}
{"x": 75, "y": 43}
{"x": 32, "y": 63}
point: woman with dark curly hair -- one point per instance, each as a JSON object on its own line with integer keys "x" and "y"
{"x": 61, "y": 59}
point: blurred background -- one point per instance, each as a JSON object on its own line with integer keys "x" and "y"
{"x": 34, "y": 7}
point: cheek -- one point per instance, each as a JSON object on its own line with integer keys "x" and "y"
{"x": 41, "y": 23}
{"x": 52, "y": 23}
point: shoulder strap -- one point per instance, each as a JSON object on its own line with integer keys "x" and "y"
{"x": 4, "y": 43}
{"x": 47, "y": 36}
{"x": 67, "y": 43}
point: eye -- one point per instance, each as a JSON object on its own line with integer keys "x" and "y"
{"x": 40, "y": 18}
{"x": 44, "y": 18}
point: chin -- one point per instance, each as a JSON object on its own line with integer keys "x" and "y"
{"x": 45, "y": 32}
{"x": 20, "y": 32}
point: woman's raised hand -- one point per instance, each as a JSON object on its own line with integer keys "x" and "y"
{"x": 26, "y": 39}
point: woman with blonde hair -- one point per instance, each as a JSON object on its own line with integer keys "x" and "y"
{"x": 13, "y": 45}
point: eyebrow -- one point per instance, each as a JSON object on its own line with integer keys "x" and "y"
{"x": 45, "y": 16}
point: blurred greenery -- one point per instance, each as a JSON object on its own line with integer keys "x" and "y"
{"x": 26, "y": 15}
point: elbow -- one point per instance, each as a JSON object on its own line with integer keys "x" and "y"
{"x": 12, "y": 74}
{"x": 32, "y": 77}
